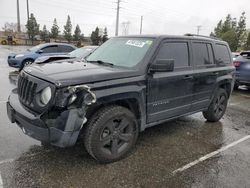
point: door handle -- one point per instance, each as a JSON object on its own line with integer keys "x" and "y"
{"x": 187, "y": 77}
{"x": 215, "y": 73}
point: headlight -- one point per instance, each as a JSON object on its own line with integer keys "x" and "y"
{"x": 46, "y": 95}
{"x": 19, "y": 55}
{"x": 89, "y": 99}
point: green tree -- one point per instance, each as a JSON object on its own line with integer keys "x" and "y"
{"x": 55, "y": 30}
{"x": 247, "y": 46}
{"x": 77, "y": 33}
{"x": 105, "y": 35}
{"x": 32, "y": 28}
{"x": 227, "y": 25}
{"x": 67, "y": 30}
{"x": 241, "y": 29}
{"x": 95, "y": 37}
{"x": 44, "y": 34}
{"x": 231, "y": 38}
{"x": 232, "y": 31}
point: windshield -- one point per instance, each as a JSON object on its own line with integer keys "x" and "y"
{"x": 81, "y": 52}
{"x": 35, "y": 48}
{"x": 126, "y": 52}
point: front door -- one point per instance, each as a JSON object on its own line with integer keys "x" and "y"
{"x": 169, "y": 94}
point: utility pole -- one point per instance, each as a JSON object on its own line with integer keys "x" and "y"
{"x": 28, "y": 11}
{"x": 18, "y": 17}
{"x": 141, "y": 25}
{"x": 117, "y": 17}
{"x": 198, "y": 29}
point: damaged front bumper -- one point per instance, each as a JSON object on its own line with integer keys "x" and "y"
{"x": 61, "y": 130}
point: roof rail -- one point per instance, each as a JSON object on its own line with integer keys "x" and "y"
{"x": 195, "y": 35}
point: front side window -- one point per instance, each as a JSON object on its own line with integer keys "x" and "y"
{"x": 125, "y": 52}
{"x": 178, "y": 51}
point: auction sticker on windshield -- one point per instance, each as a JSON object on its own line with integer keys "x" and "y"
{"x": 138, "y": 43}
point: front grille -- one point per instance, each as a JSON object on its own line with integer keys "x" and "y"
{"x": 26, "y": 90}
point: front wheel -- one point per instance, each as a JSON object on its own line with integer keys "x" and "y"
{"x": 218, "y": 106}
{"x": 25, "y": 63}
{"x": 111, "y": 134}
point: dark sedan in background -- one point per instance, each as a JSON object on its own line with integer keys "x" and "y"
{"x": 79, "y": 53}
{"x": 28, "y": 57}
{"x": 242, "y": 65}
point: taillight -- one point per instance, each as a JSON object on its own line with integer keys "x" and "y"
{"x": 237, "y": 63}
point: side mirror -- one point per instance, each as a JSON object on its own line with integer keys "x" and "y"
{"x": 39, "y": 51}
{"x": 162, "y": 65}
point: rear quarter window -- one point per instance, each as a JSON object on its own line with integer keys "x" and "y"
{"x": 222, "y": 54}
{"x": 63, "y": 48}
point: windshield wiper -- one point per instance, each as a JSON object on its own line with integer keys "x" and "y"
{"x": 101, "y": 62}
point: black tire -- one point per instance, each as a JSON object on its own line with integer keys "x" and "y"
{"x": 4, "y": 42}
{"x": 218, "y": 106}
{"x": 25, "y": 63}
{"x": 236, "y": 86}
{"x": 110, "y": 134}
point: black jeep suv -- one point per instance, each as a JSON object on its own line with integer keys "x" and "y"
{"x": 128, "y": 84}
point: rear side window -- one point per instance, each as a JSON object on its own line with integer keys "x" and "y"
{"x": 63, "y": 48}
{"x": 50, "y": 49}
{"x": 222, "y": 54}
{"x": 178, "y": 51}
{"x": 203, "y": 54}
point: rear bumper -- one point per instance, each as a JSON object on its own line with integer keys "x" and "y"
{"x": 242, "y": 79}
{"x": 53, "y": 133}
{"x": 14, "y": 62}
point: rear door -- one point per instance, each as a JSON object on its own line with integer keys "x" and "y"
{"x": 50, "y": 50}
{"x": 169, "y": 94}
{"x": 205, "y": 74}
{"x": 65, "y": 49}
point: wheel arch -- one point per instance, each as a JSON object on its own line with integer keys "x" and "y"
{"x": 134, "y": 104}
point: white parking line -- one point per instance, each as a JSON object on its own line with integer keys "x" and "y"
{"x": 1, "y": 181}
{"x": 210, "y": 155}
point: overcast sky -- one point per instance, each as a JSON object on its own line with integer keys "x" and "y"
{"x": 159, "y": 16}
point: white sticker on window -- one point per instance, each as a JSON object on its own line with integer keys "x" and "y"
{"x": 136, "y": 43}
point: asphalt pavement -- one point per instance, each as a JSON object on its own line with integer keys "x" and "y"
{"x": 188, "y": 152}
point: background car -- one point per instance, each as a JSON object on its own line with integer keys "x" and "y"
{"x": 28, "y": 57}
{"x": 235, "y": 55}
{"x": 242, "y": 65}
{"x": 78, "y": 53}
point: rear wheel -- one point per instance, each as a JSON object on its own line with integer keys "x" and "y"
{"x": 26, "y": 63}
{"x": 111, "y": 134}
{"x": 218, "y": 106}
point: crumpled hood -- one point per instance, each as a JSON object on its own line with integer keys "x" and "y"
{"x": 71, "y": 72}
